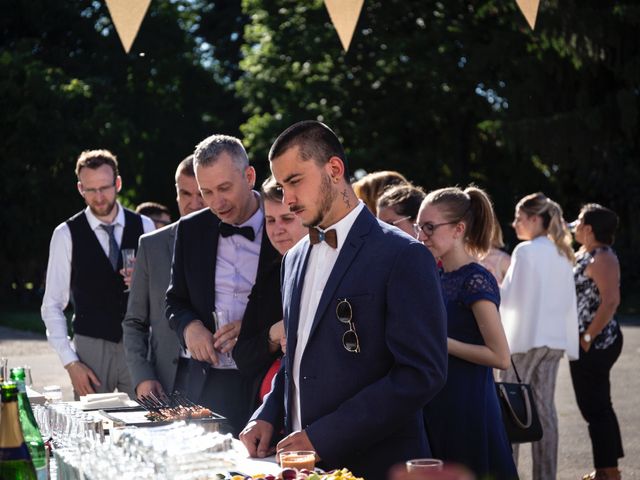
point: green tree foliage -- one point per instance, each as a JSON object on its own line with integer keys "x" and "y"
{"x": 66, "y": 85}
{"x": 458, "y": 91}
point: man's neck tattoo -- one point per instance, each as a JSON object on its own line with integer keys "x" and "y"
{"x": 345, "y": 198}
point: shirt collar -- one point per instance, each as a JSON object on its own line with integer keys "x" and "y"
{"x": 257, "y": 219}
{"x": 343, "y": 226}
{"x": 95, "y": 223}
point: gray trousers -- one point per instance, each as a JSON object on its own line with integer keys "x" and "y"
{"x": 539, "y": 368}
{"x": 107, "y": 361}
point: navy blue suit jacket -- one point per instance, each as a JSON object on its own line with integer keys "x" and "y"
{"x": 364, "y": 410}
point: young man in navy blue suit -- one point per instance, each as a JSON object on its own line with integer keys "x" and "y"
{"x": 365, "y": 320}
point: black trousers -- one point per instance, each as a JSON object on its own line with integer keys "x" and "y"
{"x": 590, "y": 375}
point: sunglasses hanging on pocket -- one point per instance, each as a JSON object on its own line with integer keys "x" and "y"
{"x": 344, "y": 313}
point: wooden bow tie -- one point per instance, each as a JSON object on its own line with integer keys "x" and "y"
{"x": 329, "y": 236}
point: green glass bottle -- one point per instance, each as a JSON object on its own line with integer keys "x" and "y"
{"x": 30, "y": 430}
{"x": 15, "y": 461}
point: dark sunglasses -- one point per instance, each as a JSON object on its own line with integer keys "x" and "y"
{"x": 350, "y": 340}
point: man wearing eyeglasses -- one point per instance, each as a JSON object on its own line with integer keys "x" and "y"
{"x": 84, "y": 266}
{"x": 365, "y": 321}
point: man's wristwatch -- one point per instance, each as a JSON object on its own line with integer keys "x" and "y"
{"x": 586, "y": 337}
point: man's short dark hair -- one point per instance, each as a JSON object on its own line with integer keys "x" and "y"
{"x": 151, "y": 209}
{"x": 94, "y": 159}
{"x": 316, "y": 142}
{"x": 185, "y": 167}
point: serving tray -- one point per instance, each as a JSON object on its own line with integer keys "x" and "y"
{"x": 125, "y": 417}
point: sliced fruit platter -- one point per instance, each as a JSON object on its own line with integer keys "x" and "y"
{"x": 294, "y": 474}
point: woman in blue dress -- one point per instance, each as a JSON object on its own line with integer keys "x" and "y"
{"x": 463, "y": 421}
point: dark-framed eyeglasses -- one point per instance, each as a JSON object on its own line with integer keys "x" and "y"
{"x": 95, "y": 191}
{"x": 429, "y": 228}
{"x": 350, "y": 340}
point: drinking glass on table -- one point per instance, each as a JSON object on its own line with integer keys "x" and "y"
{"x": 128, "y": 259}
{"x": 298, "y": 459}
{"x": 28, "y": 381}
{"x": 4, "y": 368}
{"x": 424, "y": 465}
{"x": 221, "y": 318}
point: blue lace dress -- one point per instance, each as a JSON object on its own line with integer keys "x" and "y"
{"x": 463, "y": 421}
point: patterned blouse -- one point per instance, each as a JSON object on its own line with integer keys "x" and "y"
{"x": 588, "y": 298}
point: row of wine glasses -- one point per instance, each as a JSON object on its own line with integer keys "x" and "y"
{"x": 67, "y": 425}
{"x": 180, "y": 450}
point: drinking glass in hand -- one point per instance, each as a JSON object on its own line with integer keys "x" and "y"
{"x": 221, "y": 318}
{"x": 128, "y": 259}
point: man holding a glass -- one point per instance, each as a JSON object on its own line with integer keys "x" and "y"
{"x": 84, "y": 265}
{"x": 224, "y": 278}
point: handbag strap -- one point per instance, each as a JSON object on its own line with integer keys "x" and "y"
{"x": 516, "y": 371}
{"x": 527, "y": 406}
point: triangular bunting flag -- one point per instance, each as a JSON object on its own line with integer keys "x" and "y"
{"x": 529, "y": 9}
{"x": 344, "y": 16}
{"x": 127, "y": 15}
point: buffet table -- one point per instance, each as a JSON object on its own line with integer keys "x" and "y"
{"x": 114, "y": 443}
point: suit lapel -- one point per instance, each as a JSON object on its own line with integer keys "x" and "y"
{"x": 268, "y": 255}
{"x": 171, "y": 239}
{"x": 208, "y": 270}
{"x": 299, "y": 267}
{"x": 348, "y": 253}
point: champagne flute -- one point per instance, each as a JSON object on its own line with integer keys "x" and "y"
{"x": 4, "y": 369}
{"x": 28, "y": 381}
{"x": 128, "y": 259}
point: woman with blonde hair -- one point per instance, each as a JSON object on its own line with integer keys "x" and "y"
{"x": 463, "y": 421}
{"x": 539, "y": 314}
{"x": 370, "y": 187}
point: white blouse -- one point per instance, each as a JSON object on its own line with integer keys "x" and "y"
{"x": 538, "y": 304}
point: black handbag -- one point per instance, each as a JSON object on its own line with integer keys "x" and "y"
{"x": 519, "y": 413}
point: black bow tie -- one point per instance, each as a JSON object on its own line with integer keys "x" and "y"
{"x": 227, "y": 230}
{"x": 329, "y": 236}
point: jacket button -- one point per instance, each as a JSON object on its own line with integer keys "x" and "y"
{"x": 175, "y": 361}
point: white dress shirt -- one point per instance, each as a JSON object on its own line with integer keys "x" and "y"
{"x": 58, "y": 282}
{"x": 538, "y": 306}
{"x": 321, "y": 261}
{"x": 236, "y": 271}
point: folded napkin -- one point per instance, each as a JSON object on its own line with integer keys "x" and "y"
{"x": 94, "y": 401}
